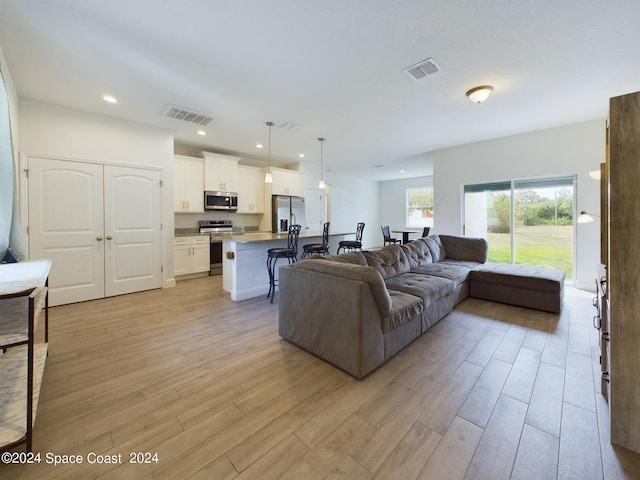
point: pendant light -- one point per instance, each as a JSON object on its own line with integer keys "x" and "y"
{"x": 268, "y": 178}
{"x": 321, "y": 183}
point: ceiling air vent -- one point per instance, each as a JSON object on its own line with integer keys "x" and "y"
{"x": 288, "y": 126}
{"x": 423, "y": 69}
{"x": 187, "y": 115}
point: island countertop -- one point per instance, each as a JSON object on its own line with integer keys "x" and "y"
{"x": 267, "y": 237}
{"x": 244, "y": 259}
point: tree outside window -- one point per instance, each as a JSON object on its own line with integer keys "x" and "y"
{"x": 420, "y": 207}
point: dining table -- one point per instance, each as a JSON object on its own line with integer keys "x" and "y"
{"x": 405, "y": 234}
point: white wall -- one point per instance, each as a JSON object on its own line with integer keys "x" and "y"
{"x": 59, "y": 132}
{"x": 13, "y": 101}
{"x": 393, "y": 207}
{"x": 354, "y": 200}
{"x": 572, "y": 149}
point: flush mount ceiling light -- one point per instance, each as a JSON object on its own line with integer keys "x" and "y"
{"x": 268, "y": 178}
{"x": 480, "y": 94}
{"x": 201, "y": 133}
{"x": 110, "y": 99}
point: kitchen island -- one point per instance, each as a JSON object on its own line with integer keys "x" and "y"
{"x": 244, "y": 260}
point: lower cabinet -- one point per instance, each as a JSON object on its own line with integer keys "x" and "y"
{"x": 191, "y": 255}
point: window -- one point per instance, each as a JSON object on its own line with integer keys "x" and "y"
{"x": 525, "y": 221}
{"x": 419, "y": 207}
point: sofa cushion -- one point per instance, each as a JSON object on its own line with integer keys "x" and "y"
{"x": 456, "y": 273}
{"x": 428, "y": 288}
{"x": 520, "y": 276}
{"x": 390, "y": 261}
{"x": 465, "y": 248}
{"x": 468, "y": 264}
{"x": 417, "y": 253}
{"x": 435, "y": 246}
{"x": 404, "y": 307}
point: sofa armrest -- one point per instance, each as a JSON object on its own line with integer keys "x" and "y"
{"x": 465, "y": 248}
{"x": 333, "y": 316}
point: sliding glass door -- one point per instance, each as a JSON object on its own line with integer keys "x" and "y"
{"x": 525, "y": 221}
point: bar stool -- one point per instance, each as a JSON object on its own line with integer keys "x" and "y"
{"x": 319, "y": 248}
{"x": 290, "y": 253}
{"x": 351, "y": 245}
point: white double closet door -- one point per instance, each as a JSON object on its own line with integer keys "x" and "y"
{"x": 99, "y": 224}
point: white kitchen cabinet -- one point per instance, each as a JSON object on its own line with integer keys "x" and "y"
{"x": 286, "y": 182}
{"x": 188, "y": 184}
{"x": 250, "y": 189}
{"x": 191, "y": 255}
{"x": 220, "y": 172}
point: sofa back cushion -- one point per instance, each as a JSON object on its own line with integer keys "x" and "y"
{"x": 355, "y": 258}
{"x": 417, "y": 253}
{"x": 435, "y": 247}
{"x": 465, "y": 248}
{"x": 390, "y": 261}
{"x": 351, "y": 272}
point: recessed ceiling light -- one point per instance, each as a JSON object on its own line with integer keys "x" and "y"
{"x": 301, "y": 155}
{"x": 258, "y": 145}
{"x": 110, "y": 99}
{"x": 202, "y": 132}
{"x": 401, "y": 171}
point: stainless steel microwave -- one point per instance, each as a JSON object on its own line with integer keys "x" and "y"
{"x": 220, "y": 201}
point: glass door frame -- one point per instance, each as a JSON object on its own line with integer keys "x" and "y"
{"x": 495, "y": 186}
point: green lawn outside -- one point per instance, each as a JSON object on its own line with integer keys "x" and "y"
{"x": 541, "y": 245}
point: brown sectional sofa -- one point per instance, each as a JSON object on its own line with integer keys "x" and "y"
{"x": 357, "y": 310}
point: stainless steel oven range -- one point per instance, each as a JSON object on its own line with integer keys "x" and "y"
{"x": 217, "y": 229}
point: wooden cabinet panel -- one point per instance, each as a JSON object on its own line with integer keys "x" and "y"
{"x": 623, "y": 269}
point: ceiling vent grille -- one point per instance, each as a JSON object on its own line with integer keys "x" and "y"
{"x": 288, "y": 126}
{"x": 187, "y": 115}
{"x": 423, "y": 69}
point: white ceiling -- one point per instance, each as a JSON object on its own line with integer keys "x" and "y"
{"x": 335, "y": 67}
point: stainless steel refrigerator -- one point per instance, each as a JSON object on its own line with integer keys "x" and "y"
{"x": 285, "y": 211}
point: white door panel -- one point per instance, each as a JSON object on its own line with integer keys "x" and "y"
{"x": 132, "y": 230}
{"x": 66, "y": 224}
{"x": 100, "y": 226}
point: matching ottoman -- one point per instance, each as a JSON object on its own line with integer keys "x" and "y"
{"x": 522, "y": 285}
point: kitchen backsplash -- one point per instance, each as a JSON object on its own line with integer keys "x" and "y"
{"x": 190, "y": 220}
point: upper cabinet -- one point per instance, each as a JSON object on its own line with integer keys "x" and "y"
{"x": 250, "y": 189}
{"x": 220, "y": 172}
{"x": 188, "y": 184}
{"x": 286, "y": 182}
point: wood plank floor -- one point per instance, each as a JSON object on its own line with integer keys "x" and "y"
{"x": 490, "y": 392}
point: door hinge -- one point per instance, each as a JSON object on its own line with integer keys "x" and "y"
{"x": 27, "y": 229}
{"x": 26, "y": 172}
{"x": 161, "y": 269}
{"x": 161, "y": 226}
{"x": 161, "y": 183}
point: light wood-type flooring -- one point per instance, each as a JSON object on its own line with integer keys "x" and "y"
{"x": 490, "y": 392}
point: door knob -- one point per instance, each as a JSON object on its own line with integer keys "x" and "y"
{"x": 109, "y": 237}
{"x": 99, "y": 239}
